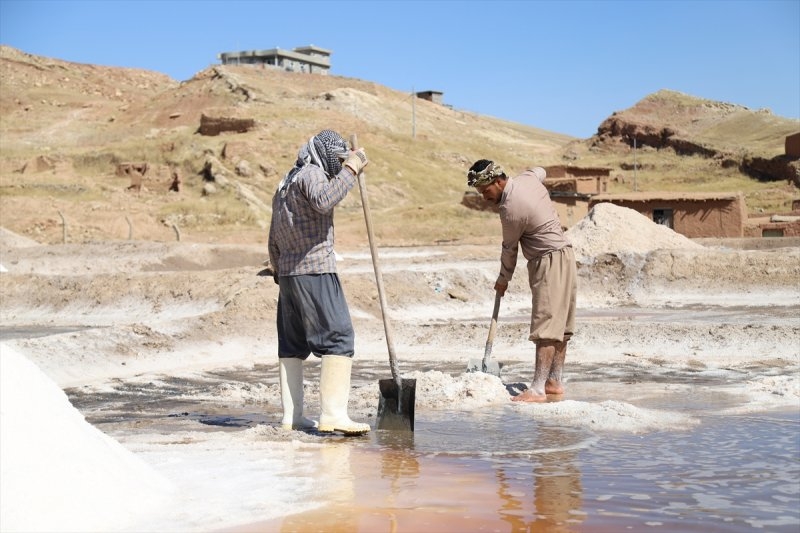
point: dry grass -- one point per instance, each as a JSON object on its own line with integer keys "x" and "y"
{"x": 415, "y": 182}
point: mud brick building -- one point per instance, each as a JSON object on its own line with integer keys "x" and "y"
{"x": 571, "y": 188}
{"x": 693, "y": 215}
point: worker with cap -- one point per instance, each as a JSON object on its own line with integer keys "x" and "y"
{"x": 530, "y": 223}
{"x": 313, "y": 315}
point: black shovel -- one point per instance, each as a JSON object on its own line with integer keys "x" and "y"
{"x": 486, "y": 365}
{"x": 396, "y": 406}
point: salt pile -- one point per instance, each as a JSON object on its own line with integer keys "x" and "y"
{"x": 471, "y": 390}
{"x": 9, "y": 239}
{"x": 59, "y": 473}
{"x": 609, "y": 228}
{"x": 609, "y": 415}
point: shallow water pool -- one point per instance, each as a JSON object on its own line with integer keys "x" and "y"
{"x": 501, "y": 469}
{"x": 729, "y": 474}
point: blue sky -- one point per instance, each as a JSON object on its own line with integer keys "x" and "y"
{"x": 560, "y": 66}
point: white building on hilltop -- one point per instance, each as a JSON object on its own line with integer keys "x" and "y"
{"x": 311, "y": 59}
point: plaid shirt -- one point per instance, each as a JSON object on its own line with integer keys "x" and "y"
{"x": 301, "y": 231}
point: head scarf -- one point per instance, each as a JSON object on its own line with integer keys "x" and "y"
{"x": 327, "y": 149}
{"x": 485, "y": 176}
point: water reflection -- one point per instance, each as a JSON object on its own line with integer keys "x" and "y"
{"x": 498, "y": 432}
{"x": 559, "y": 481}
{"x": 556, "y": 492}
{"x": 336, "y": 484}
{"x": 399, "y": 465}
{"x": 505, "y": 469}
{"x": 404, "y": 481}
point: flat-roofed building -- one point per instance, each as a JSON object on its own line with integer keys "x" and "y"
{"x": 572, "y": 187}
{"x": 432, "y": 96}
{"x": 311, "y": 59}
{"x": 694, "y": 215}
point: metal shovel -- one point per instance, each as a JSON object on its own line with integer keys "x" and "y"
{"x": 485, "y": 364}
{"x": 398, "y": 396}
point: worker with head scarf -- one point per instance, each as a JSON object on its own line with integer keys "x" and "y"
{"x": 313, "y": 315}
{"x": 530, "y": 223}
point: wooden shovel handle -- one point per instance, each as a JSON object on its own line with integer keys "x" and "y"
{"x": 376, "y": 265}
{"x": 487, "y": 353}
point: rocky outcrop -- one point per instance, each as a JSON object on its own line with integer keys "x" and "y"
{"x": 780, "y": 168}
{"x": 689, "y": 126}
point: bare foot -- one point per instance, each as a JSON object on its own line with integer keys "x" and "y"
{"x": 529, "y": 396}
{"x": 553, "y": 387}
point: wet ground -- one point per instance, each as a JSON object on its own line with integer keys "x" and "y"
{"x": 499, "y": 469}
{"x": 729, "y": 474}
{"x": 505, "y": 467}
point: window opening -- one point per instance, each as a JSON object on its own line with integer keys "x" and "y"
{"x": 663, "y": 217}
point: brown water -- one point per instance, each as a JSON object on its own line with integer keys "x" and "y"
{"x": 731, "y": 474}
{"x": 499, "y": 469}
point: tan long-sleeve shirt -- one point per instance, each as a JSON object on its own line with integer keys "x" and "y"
{"x": 529, "y": 221}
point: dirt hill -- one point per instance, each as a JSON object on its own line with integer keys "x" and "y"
{"x": 733, "y": 135}
{"x": 75, "y": 137}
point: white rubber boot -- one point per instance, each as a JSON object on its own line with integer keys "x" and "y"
{"x": 291, "y": 370}
{"x": 334, "y": 393}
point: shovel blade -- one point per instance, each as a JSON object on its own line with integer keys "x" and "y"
{"x": 492, "y": 367}
{"x": 396, "y": 407}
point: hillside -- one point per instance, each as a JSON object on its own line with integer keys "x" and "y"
{"x": 66, "y": 128}
{"x": 733, "y": 135}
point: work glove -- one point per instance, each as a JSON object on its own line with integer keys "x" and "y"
{"x": 356, "y": 161}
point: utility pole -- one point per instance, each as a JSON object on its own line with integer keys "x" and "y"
{"x": 634, "y": 164}
{"x": 413, "y": 114}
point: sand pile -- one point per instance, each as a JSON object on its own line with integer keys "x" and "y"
{"x": 611, "y": 229}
